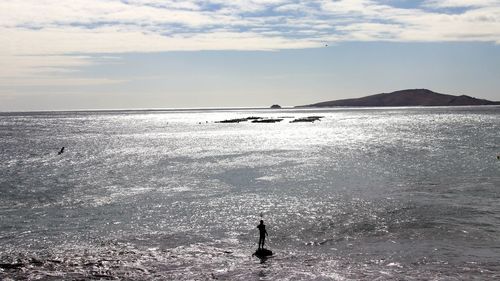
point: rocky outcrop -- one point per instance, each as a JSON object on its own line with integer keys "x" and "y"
{"x": 263, "y": 253}
{"x": 309, "y": 119}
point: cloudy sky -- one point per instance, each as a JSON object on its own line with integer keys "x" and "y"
{"x": 109, "y": 54}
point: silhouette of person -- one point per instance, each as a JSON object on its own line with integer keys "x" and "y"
{"x": 61, "y": 151}
{"x": 263, "y": 234}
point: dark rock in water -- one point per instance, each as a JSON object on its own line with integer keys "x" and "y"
{"x": 307, "y": 119}
{"x": 263, "y": 253}
{"x": 238, "y": 120}
{"x": 11, "y": 265}
{"x": 267, "y": 120}
{"x": 36, "y": 262}
{"x": 275, "y": 106}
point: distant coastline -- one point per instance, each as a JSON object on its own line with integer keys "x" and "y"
{"x": 402, "y": 98}
{"x": 409, "y": 97}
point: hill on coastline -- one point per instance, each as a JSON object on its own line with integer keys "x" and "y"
{"x": 411, "y": 97}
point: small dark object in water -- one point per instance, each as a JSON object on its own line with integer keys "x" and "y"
{"x": 36, "y": 262}
{"x": 263, "y": 253}
{"x": 61, "y": 151}
{"x": 267, "y": 120}
{"x": 275, "y": 106}
{"x": 11, "y": 265}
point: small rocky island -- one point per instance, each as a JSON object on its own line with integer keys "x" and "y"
{"x": 411, "y": 97}
{"x": 275, "y": 106}
{"x": 309, "y": 119}
{"x": 255, "y": 119}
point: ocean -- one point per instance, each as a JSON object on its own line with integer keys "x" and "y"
{"x": 361, "y": 194}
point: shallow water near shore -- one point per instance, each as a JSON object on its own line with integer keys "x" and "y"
{"x": 375, "y": 194}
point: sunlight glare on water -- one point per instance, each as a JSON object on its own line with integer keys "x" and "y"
{"x": 393, "y": 194}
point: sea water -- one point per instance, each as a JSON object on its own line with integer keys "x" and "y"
{"x": 375, "y": 194}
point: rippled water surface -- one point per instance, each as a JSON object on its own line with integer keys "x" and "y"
{"x": 376, "y": 194}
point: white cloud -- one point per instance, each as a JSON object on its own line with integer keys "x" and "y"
{"x": 48, "y": 70}
{"x": 49, "y": 30}
{"x": 461, "y": 3}
{"x": 112, "y": 26}
{"x": 33, "y": 65}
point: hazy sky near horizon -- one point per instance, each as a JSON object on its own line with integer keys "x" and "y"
{"x": 111, "y": 54}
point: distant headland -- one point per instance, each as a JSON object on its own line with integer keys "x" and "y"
{"x": 410, "y": 97}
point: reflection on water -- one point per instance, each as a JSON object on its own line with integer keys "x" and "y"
{"x": 362, "y": 194}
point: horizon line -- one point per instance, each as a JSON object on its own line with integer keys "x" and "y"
{"x": 143, "y": 109}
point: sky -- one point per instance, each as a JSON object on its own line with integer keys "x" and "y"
{"x": 125, "y": 54}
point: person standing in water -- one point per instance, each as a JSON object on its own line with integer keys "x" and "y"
{"x": 263, "y": 234}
